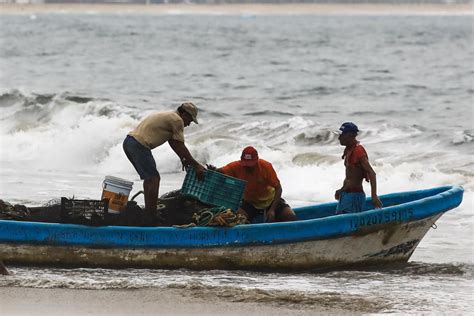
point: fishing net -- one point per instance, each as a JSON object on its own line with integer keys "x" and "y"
{"x": 85, "y": 212}
{"x": 173, "y": 208}
{"x": 13, "y": 212}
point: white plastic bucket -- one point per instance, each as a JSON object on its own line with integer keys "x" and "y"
{"x": 116, "y": 190}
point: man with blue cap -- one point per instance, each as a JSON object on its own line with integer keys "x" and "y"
{"x": 351, "y": 196}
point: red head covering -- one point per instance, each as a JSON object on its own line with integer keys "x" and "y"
{"x": 249, "y": 157}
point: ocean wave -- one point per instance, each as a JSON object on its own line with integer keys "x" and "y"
{"x": 25, "y": 112}
{"x": 462, "y": 138}
{"x": 410, "y": 268}
{"x": 305, "y": 159}
{"x": 300, "y": 299}
{"x": 61, "y": 131}
{"x": 420, "y": 268}
{"x": 413, "y": 288}
{"x": 378, "y": 78}
{"x": 317, "y": 91}
{"x": 78, "y": 99}
{"x": 70, "y": 132}
{"x": 230, "y": 285}
{"x": 15, "y": 97}
{"x": 269, "y": 113}
{"x": 356, "y": 289}
{"x": 416, "y": 87}
{"x": 216, "y": 114}
{"x": 323, "y": 137}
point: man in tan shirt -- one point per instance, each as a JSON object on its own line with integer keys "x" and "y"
{"x": 153, "y": 131}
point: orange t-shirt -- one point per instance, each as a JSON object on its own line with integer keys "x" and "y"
{"x": 353, "y": 155}
{"x": 261, "y": 183}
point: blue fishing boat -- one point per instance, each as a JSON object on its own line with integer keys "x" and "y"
{"x": 319, "y": 239}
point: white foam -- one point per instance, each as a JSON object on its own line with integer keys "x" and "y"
{"x": 63, "y": 137}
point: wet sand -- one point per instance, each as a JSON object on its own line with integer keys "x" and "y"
{"x": 56, "y": 302}
{"x": 298, "y": 8}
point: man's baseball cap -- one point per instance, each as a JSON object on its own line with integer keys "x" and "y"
{"x": 249, "y": 157}
{"x": 347, "y": 127}
{"x": 191, "y": 109}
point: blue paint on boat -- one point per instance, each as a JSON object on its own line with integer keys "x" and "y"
{"x": 316, "y": 222}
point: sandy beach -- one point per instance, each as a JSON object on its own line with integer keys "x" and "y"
{"x": 51, "y": 302}
{"x": 298, "y": 8}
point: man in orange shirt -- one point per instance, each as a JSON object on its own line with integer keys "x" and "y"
{"x": 263, "y": 190}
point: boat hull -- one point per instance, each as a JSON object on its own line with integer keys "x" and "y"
{"x": 371, "y": 245}
{"x": 319, "y": 239}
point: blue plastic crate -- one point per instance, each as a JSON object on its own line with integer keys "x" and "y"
{"x": 216, "y": 189}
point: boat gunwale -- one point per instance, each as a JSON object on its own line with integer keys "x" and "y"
{"x": 446, "y": 198}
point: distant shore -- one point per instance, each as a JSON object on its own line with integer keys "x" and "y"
{"x": 298, "y": 8}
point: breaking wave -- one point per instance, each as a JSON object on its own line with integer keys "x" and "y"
{"x": 77, "y": 133}
{"x": 89, "y": 278}
{"x": 297, "y": 299}
{"x": 378, "y": 290}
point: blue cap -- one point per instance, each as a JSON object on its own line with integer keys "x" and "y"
{"x": 348, "y": 127}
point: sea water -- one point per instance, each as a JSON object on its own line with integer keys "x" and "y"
{"x": 73, "y": 85}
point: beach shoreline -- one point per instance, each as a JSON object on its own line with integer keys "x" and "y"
{"x": 148, "y": 301}
{"x": 235, "y": 9}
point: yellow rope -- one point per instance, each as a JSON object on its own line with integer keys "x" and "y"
{"x": 218, "y": 216}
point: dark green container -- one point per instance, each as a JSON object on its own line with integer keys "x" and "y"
{"x": 216, "y": 189}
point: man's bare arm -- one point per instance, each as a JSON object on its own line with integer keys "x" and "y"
{"x": 183, "y": 153}
{"x": 270, "y": 214}
{"x": 364, "y": 162}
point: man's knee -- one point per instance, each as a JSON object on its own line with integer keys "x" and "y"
{"x": 287, "y": 215}
{"x": 243, "y": 212}
{"x": 152, "y": 181}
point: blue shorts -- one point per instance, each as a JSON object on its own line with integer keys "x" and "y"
{"x": 140, "y": 157}
{"x": 351, "y": 202}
